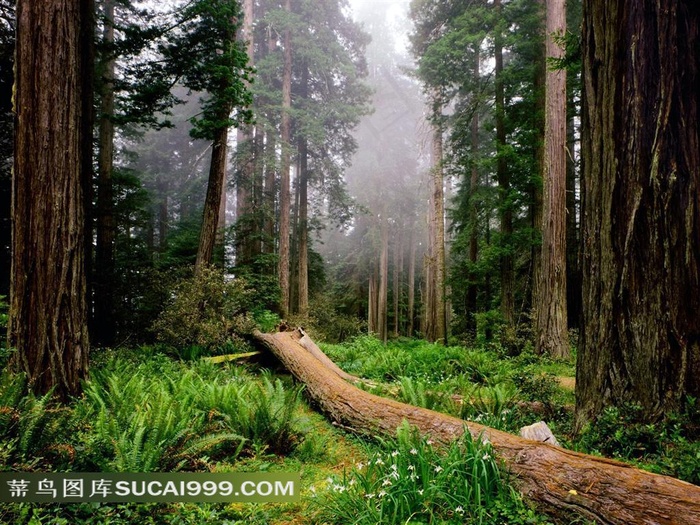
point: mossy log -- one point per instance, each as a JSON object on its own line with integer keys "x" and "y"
{"x": 561, "y": 481}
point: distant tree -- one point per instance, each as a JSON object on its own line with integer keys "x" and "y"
{"x": 48, "y": 309}
{"x": 640, "y": 338}
{"x": 285, "y": 197}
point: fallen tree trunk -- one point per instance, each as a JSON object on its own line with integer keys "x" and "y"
{"x": 562, "y": 481}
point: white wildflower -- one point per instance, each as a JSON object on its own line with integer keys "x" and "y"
{"x": 381, "y": 493}
{"x": 386, "y": 482}
{"x": 459, "y": 510}
{"x": 394, "y": 453}
{"x": 411, "y": 468}
{"x": 438, "y": 469}
{"x": 379, "y": 461}
{"x": 413, "y": 451}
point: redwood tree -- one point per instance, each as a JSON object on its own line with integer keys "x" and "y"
{"x": 551, "y": 324}
{"x": 48, "y": 309}
{"x": 641, "y": 222}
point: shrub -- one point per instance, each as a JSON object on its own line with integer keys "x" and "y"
{"x": 207, "y": 310}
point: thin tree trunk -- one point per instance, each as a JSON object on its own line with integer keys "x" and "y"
{"x": 439, "y": 238}
{"x": 641, "y": 222}
{"x": 472, "y": 289}
{"x": 373, "y": 302}
{"x": 411, "y": 282}
{"x": 552, "y": 327}
{"x": 303, "y": 229}
{"x": 536, "y": 206}
{"x": 48, "y": 308}
{"x": 212, "y": 203}
{"x": 270, "y": 200}
{"x": 104, "y": 255}
{"x": 284, "y": 171}
{"x": 382, "y": 313}
{"x": 506, "y": 211}
{"x": 398, "y": 263}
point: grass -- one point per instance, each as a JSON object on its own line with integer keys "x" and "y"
{"x": 143, "y": 410}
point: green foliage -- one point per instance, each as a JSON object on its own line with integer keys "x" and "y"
{"x": 412, "y": 480}
{"x": 669, "y": 446}
{"x": 207, "y": 310}
{"x": 160, "y": 415}
{"x": 330, "y": 325}
{"x": 210, "y": 59}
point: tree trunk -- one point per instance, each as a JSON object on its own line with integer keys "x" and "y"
{"x": 303, "y": 229}
{"x": 398, "y": 264}
{"x": 562, "y": 481}
{"x": 283, "y": 270}
{"x": 439, "y": 238}
{"x": 536, "y": 205}
{"x": 104, "y": 254}
{"x": 48, "y": 309}
{"x": 372, "y": 301}
{"x": 506, "y": 208}
{"x": 212, "y": 203}
{"x": 641, "y": 221}
{"x": 474, "y": 205}
{"x": 270, "y": 199}
{"x": 382, "y": 307}
{"x": 411, "y": 282}
{"x": 552, "y": 327}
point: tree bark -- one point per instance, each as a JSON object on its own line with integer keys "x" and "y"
{"x": 212, "y": 203}
{"x": 303, "y": 228}
{"x": 561, "y": 481}
{"x": 48, "y": 307}
{"x": 303, "y": 186}
{"x": 283, "y": 269}
{"x": 438, "y": 217}
{"x": 641, "y": 259}
{"x": 551, "y": 323}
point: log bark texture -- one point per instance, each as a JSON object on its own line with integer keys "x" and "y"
{"x": 561, "y": 481}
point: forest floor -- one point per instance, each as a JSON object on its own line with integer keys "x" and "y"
{"x": 346, "y": 478}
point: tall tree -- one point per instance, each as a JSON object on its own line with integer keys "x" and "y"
{"x": 438, "y": 315}
{"x": 285, "y": 166}
{"x": 640, "y": 338}
{"x": 48, "y": 310}
{"x": 551, "y": 323}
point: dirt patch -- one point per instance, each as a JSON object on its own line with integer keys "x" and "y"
{"x": 569, "y": 383}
